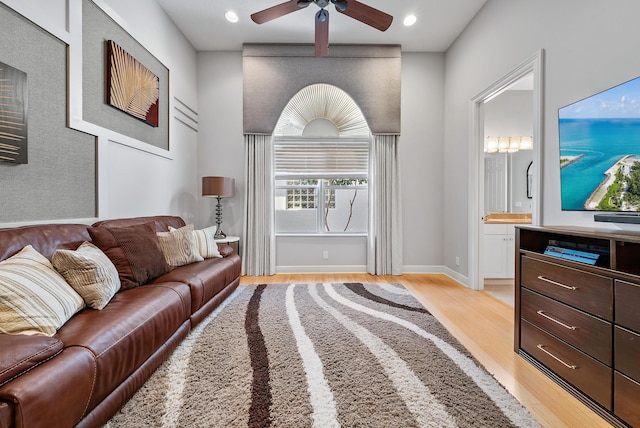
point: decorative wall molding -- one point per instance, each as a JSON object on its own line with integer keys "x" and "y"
{"x": 185, "y": 114}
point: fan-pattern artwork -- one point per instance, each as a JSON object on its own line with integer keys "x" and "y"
{"x": 132, "y": 87}
{"x": 13, "y": 115}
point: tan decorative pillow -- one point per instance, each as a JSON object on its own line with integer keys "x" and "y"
{"x": 179, "y": 246}
{"x": 206, "y": 242}
{"x": 134, "y": 250}
{"x": 90, "y": 272}
{"x": 34, "y": 298}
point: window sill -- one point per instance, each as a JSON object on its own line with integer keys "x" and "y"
{"x": 320, "y": 235}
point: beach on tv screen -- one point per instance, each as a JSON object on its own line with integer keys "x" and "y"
{"x": 600, "y": 150}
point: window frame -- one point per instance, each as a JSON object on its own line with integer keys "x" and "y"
{"x": 321, "y": 186}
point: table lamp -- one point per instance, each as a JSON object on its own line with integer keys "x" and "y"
{"x": 218, "y": 187}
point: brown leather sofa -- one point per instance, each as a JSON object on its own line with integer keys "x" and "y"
{"x": 99, "y": 359}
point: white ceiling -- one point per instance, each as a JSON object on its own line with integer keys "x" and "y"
{"x": 439, "y": 23}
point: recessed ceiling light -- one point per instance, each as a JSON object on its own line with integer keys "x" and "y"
{"x": 231, "y": 16}
{"x": 410, "y": 20}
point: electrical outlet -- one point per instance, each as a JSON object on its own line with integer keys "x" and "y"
{"x": 325, "y": 255}
{"x": 457, "y": 261}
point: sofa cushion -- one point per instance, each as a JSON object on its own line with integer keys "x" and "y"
{"x": 34, "y": 298}
{"x": 90, "y": 272}
{"x": 45, "y": 238}
{"x": 134, "y": 250}
{"x": 205, "y": 279}
{"x": 162, "y": 222}
{"x": 21, "y": 353}
{"x": 122, "y": 336}
{"x": 179, "y": 246}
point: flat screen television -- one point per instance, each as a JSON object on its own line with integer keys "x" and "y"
{"x": 600, "y": 154}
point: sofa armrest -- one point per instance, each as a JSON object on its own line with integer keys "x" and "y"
{"x": 21, "y": 353}
{"x": 6, "y": 414}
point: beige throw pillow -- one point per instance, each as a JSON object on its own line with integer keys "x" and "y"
{"x": 34, "y": 298}
{"x": 90, "y": 272}
{"x": 179, "y": 246}
{"x": 206, "y": 242}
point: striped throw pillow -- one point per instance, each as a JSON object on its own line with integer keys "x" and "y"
{"x": 179, "y": 246}
{"x": 206, "y": 242}
{"x": 34, "y": 298}
{"x": 90, "y": 272}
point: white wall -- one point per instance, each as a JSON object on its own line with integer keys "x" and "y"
{"x": 589, "y": 47}
{"x": 134, "y": 179}
{"x": 421, "y": 150}
{"x": 220, "y": 140}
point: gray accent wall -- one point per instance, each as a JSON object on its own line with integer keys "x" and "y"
{"x": 97, "y": 28}
{"x": 59, "y": 182}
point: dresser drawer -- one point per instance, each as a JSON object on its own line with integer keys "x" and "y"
{"x": 628, "y": 305}
{"x": 585, "y": 373}
{"x": 587, "y": 291}
{"x": 626, "y": 351}
{"x": 626, "y": 398}
{"x": 591, "y": 335}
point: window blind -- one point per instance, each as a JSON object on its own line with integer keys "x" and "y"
{"x": 343, "y": 159}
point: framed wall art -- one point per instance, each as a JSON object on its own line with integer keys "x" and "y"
{"x": 13, "y": 115}
{"x": 131, "y": 87}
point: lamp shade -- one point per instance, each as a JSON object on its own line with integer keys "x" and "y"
{"x": 218, "y": 186}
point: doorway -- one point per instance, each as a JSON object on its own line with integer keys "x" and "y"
{"x": 533, "y": 67}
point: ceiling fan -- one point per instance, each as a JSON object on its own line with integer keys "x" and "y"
{"x": 356, "y": 10}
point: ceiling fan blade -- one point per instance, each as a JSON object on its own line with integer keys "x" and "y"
{"x": 322, "y": 33}
{"x": 367, "y": 15}
{"x": 278, "y": 10}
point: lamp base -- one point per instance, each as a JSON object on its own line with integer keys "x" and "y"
{"x": 219, "y": 234}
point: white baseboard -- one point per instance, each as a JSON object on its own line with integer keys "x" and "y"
{"x": 363, "y": 269}
{"x": 456, "y": 276}
{"x": 322, "y": 269}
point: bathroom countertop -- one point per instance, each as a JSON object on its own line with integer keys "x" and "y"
{"x": 507, "y": 218}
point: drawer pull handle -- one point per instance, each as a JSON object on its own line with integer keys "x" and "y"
{"x": 542, "y": 278}
{"x": 569, "y": 327}
{"x": 570, "y": 366}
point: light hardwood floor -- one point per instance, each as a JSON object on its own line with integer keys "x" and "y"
{"x": 484, "y": 325}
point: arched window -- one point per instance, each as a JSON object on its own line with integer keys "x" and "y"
{"x": 321, "y": 164}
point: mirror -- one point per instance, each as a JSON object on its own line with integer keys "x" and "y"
{"x": 508, "y": 152}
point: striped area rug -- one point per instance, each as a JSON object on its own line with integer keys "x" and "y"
{"x": 322, "y": 355}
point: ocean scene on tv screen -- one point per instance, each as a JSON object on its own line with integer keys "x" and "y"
{"x": 600, "y": 151}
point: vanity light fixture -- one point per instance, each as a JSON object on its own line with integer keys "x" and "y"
{"x": 507, "y": 144}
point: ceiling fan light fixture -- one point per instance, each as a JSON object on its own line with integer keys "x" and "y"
{"x": 304, "y": 3}
{"x": 409, "y": 20}
{"x": 231, "y": 16}
{"x": 321, "y": 15}
{"x": 341, "y": 5}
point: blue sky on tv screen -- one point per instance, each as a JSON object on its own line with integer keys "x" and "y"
{"x": 622, "y": 101}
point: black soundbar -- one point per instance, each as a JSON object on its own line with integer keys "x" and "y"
{"x": 619, "y": 217}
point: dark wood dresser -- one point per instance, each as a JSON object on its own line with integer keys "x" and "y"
{"x": 578, "y": 320}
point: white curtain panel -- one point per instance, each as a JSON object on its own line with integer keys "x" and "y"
{"x": 384, "y": 255}
{"x": 258, "y": 253}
